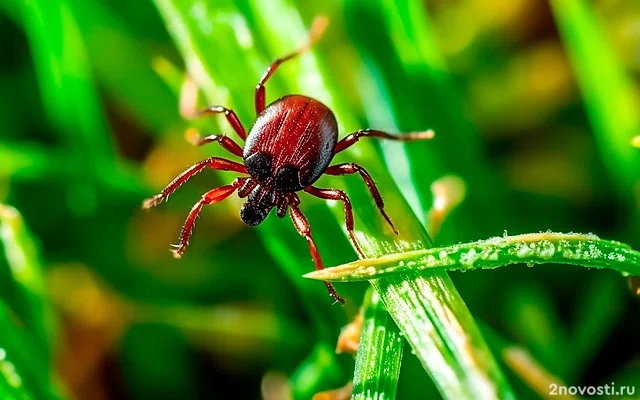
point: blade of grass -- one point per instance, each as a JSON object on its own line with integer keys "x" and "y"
{"x": 535, "y": 323}
{"x": 29, "y": 299}
{"x": 12, "y": 386}
{"x": 596, "y": 316}
{"x": 443, "y": 336}
{"x": 319, "y": 370}
{"x": 609, "y": 93}
{"x": 420, "y": 92}
{"x": 25, "y": 359}
{"x": 67, "y": 88}
{"x": 534, "y": 248}
{"x": 69, "y": 93}
{"x": 379, "y": 241}
{"x": 127, "y": 78}
{"x": 379, "y": 354}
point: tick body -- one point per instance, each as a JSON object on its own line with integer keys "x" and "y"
{"x": 289, "y": 147}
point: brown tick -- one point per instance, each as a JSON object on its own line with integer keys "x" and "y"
{"x": 289, "y": 146}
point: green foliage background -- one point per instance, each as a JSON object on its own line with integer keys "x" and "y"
{"x": 534, "y": 105}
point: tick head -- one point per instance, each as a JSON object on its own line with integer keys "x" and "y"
{"x": 253, "y": 213}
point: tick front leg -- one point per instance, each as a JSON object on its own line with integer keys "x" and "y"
{"x": 211, "y": 197}
{"x": 213, "y": 162}
{"x": 352, "y": 168}
{"x": 302, "y": 226}
{"x": 336, "y": 194}
{"x": 352, "y": 138}
{"x": 231, "y": 116}
{"x": 227, "y": 143}
{"x": 317, "y": 29}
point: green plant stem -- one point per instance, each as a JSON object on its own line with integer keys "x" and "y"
{"x": 535, "y": 248}
{"x": 443, "y": 336}
{"x": 379, "y": 353}
{"x": 28, "y": 298}
{"x": 610, "y": 96}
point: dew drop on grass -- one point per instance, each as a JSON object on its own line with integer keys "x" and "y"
{"x": 524, "y": 251}
{"x": 545, "y": 249}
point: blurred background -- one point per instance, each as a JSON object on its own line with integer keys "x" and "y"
{"x": 534, "y": 104}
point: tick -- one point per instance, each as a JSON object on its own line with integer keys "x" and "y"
{"x": 288, "y": 148}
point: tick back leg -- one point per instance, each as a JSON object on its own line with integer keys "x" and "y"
{"x": 317, "y": 29}
{"x": 335, "y": 194}
{"x": 352, "y": 168}
{"x": 302, "y": 226}
{"x": 211, "y": 197}
{"x": 352, "y": 138}
{"x": 213, "y": 162}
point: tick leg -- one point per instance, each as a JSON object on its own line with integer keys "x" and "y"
{"x": 302, "y": 226}
{"x": 352, "y": 168}
{"x": 211, "y": 197}
{"x": 352, "y": 138}
{"x": 226, "y": 142}
{"x": 317, "y": 29}
{"x": 229, "y": 114}
{"x": 335, "y": 194}
{"x": 213, "y": 162}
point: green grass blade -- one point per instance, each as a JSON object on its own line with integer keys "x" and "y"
{"x": 609, "y": 93}
{"x": 377, "y": 240}
{"x": 436, "y": 331}
{"x": 12, "y": 386}
{"x": 142, "y": 91}
{"x": 320, "y": 369}
{"x": 63, "y": 70}
{"x": 28, "y": 297}
{"x": 596, "y": 317}
{"x": 420, "y": 93}
{"x": 379, "y": 354}
{"x": 535, "y": 248}
{"x": 26, "y": 362}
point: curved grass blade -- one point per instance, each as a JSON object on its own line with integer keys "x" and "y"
{"x": 379, "y": 354}
{"x": 12, "y": 386}
{"x": 534, "y": 248}
{"x": 29, "y": 299}
{"x": 443, "y": 336}
{"x": 467, "y": 377}
{"x": 63, "y": 70}
{"x": 609, "y": 93}
{"x": 419, "y": 90}
{"x": 319, "y": 369}
{"x": 28, "y": 367}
